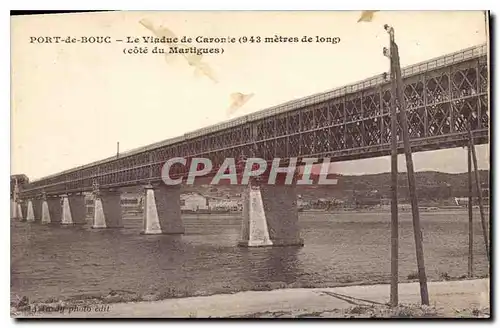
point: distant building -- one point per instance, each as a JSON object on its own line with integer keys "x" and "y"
{"x": 131, "y": 203}
{"x": 404, "y": 207}
{"x": 302, "y": 204}
{"x": 464, "y": 201}
{"x": 224, "y": 204}
{"x": 193, "y": 202}
{"x": 190, "y": 202}
{"x": 460, "y": 201}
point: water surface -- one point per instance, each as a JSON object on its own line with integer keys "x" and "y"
{"x": 53, "y": 261}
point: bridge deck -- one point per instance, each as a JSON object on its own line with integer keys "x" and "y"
{"x": 443, "y": 96}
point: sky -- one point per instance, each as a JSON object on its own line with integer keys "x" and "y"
{"x": 71, "y": 103}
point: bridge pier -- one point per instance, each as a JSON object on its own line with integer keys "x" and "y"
{"x": 270, "y": 216}
{"x": 162, "y": 210}
{"x": 34, "y": 211}
{"x": 73, "y": 209}
{"x": 16, "y": 210}
{"x": 51, "y": 210}
{"x": 13, "y": 209}
{"x": 107, "y": 210}
{"x": 21, "y": 210}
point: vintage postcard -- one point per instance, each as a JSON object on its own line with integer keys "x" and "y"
{"x": 250, "y": 164}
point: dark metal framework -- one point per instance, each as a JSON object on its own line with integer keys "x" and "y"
{"x": 443, "y": 96}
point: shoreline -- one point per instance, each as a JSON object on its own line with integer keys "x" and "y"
{"x": 469, "y": 298}
{"x": 114, "y": 297}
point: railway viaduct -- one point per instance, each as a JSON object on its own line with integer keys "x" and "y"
{"x": 443, "y": 96}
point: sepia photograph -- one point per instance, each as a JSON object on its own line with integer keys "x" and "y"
{"x": 250, "y": 165}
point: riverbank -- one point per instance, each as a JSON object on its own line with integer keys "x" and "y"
{"x": 464, "y": 298}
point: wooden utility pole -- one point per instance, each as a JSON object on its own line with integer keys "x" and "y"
{"x": 469, "y": 206}
{"x": 424, "y": 295}
{"x": 394, "y": 186}
{"x": 479, "y": 193}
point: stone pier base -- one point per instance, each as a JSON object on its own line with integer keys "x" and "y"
{"x": 270, "y": 217}
{"x": 107, "y": 210}
{"x": 162, "y": 210}
{"x": 13, "y": 209}
{"x": 22, "y": 210}
{"x": 34, "y": 210}
{"x": 73, "y": 209}
{"x": 51, "y": 210}
{"x": 17, "y": 210}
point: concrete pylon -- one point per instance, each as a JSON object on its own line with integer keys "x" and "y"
{"x": 73, "y": 209}
{"x": 34, "y": 210}
{"x": 13, "y": 209}
{"x": 51, "y": 210}
{"x": 270, "y": 216}
{"x": 162, "y": 210}
{"x": 107, "y": 210}
{"x": 21, "y": 210}
{"x": 16, "y": 210}
{"x": 30, "y": 215}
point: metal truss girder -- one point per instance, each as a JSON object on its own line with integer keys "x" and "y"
{"x": 441, "y": 103}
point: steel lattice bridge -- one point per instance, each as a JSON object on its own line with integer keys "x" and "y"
{"x": 443, "y": 96}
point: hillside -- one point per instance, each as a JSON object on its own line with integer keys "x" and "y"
{"x": 430, "y": 185}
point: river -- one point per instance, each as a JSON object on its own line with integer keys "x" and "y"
{"x": 57, "y": 262}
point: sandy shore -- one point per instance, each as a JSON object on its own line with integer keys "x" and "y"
{"x": 448, "y": 298}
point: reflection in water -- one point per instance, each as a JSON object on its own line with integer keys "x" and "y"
{"x": 64, "y": 261}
